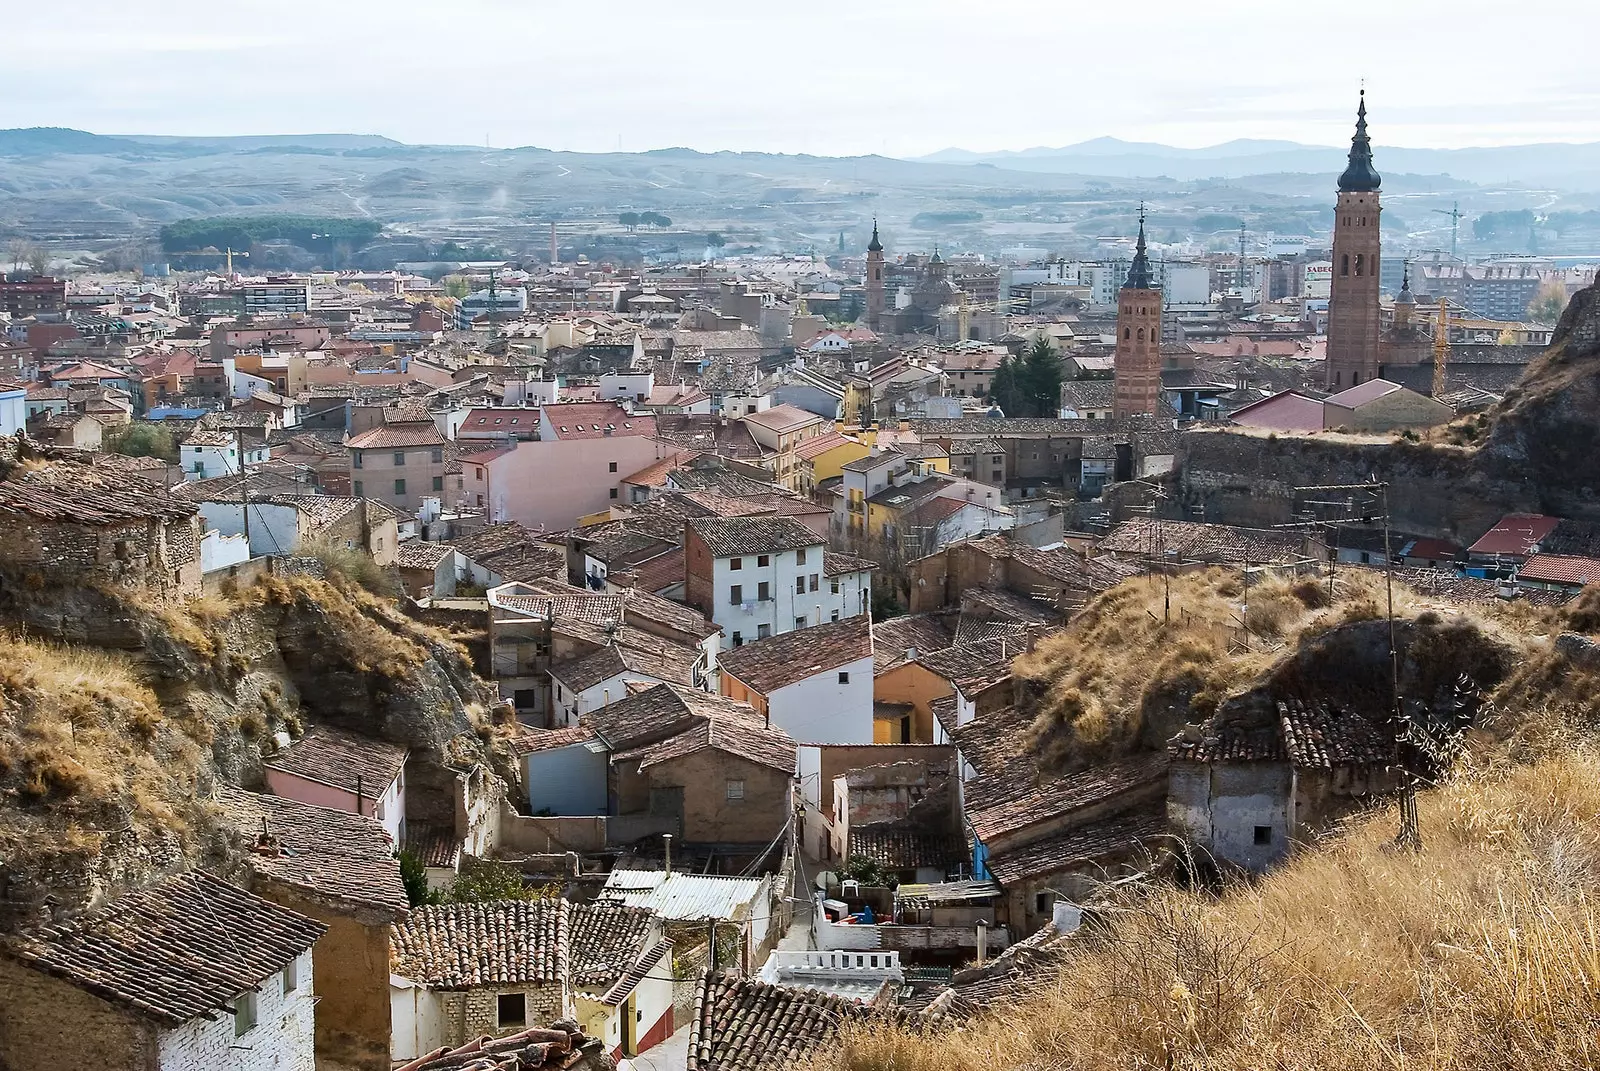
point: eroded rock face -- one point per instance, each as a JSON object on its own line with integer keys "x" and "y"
{"x": 1547, "y": 432}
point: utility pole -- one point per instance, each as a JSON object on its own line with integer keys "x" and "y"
{"x": 244, "y": 487}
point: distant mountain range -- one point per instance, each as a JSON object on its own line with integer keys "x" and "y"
{"x": 1560, "y": 165}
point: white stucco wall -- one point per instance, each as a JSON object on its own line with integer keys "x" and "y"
{"x": 274, "y": 529}
{"x": 218, "y": 551}
{"x": 821, "y": 710}
{"x": 416, "y": 1021}
{"x": 784, "y": 605}
{"x": 282, "y": 1039}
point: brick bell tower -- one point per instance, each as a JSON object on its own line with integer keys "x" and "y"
{"x": 1137, "y": 360}
{"x": 875, "y": 281}
{"x": 1353, "y": 304}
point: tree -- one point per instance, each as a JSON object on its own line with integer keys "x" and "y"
{"x": 1005, "y": 392}
{"x": 457, "y": 287}
{"x": 715, "y": 240}
{"x": 630, "y": 220}
{"x": 414, "y": 876}
{"x": 1548, "y": 304}
{"x": 489, "y": 881}
{"x": 141, "y": 440}
{"x": 39, "y": 260}
{"x": 1039, "y": 379}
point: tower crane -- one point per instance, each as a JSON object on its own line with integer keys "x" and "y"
{"x": 1455, "y": 222}
{"x": 230, "y": 253}
{"x": 1441, "y": 347}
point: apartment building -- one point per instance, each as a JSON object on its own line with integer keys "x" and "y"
{"x": 764, "y": 576}
{"x": 401, "y": 464}
{"x": 780, "y": 430}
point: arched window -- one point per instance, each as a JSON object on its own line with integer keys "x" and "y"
{"x": 1344, "y": 264}
{"x": 1127, "y": 332}
{"x": 1141, "y": 334}
{"x": 1361, "y": 262}
{"x": 1355, "y": 379}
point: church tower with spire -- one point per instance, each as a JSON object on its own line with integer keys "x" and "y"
{"x": 1353, "y": 300}
{"x": 875, "y": 281}
{"x": 1137, "y": 361}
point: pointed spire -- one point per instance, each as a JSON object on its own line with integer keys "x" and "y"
{"x": 1360, "y": 176}
{"x": 875, "y": 246}
{"x": 1139, "y": 272}
{"x": 1405, "y": 297}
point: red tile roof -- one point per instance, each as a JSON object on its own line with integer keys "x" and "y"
{"x": 1517, "y": 535}
{"x": 596, "y": 420}
{"x": 1561, "y": 569}
{"x": 398, "y": 436}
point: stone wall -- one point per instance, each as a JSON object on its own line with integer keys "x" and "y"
{"x": 281, "y": 1040}
{"x": 163, "y": 558}
{"x": 472, "y": 1013}
{"x": 1218, "y": 808}
{"x": 44, "y": 1022}
{"x": 708, "y": 815}
{"x": 1234, "y": 477}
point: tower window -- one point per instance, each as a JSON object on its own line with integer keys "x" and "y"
{"x": 1344, "y": 264}
{"x": 1361, "y": 263}
{"x": 1141, "y": 334}
{"x": 1127, "y": 332}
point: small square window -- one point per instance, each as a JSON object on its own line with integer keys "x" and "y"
{"x": 799, "y": 585}
{"x": 1041, "y": 902}
{"x": 1263, "y": 834}
{"x": 736, "y": 594}
{"x": 844, "y": 676}
{"x": 399, "y": 487}
{"x": 835, "y": 616}
{"x": 438, "y": 483}
{"x": 613, "y": 492}
{"x": 613, "y": 467}
{"x": 735, "y": 789}
{"x": 438, "y": 455}
{"x": 737, "y": 563}
{"x": 511, "y": 1009}
{"x": 738, "y": 639}
{"x": 763, "y": 560}
{"x": 800, "y": 556}
{"x": 763, "y": 631}
{"x": 357, "y": 487}
{"x": 244, "y": 1014}
{"x": 800, "y": 622}
{"x": 399, "y": 458}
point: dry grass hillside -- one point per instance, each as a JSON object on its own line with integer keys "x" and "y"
{"x": 109, "y": 749}
{"x": 1480, "y": 952}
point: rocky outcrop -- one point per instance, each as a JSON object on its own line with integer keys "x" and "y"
{"x": 207, "y": 691}
{"x": 1547, "y": 431}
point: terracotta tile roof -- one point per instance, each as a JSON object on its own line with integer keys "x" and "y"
{"x": 596, "y": 420}
{"x": 1309, "y": 735}
{"x": 604, "y": 941}
{"x": 655, "y": 475}
{"x": 648, "y": 961}
{"x": 83, "y": 494}
{"x": 725, "y": 506}
{"x": 728, "y": 537}
{"x": 329, "y": 853}
{"x": 175, "y": 951}
{"x": 552, "y": 1048}
{"x": 421, "y": 554}
{"x": 742, "y": 735}
{"x": 661, "y": 572}
{"x": 923, "y": 633}
{"x": 526, "y": 563}
{"x": 491, "y": 538}
{"x": 902, "y": 849}
{"x": 1561, "y": 569}
{"x": 994, "y": 814}
{"x": 1022, "y": 971}
{"x": 641, "y": 605}
{"x": 630, "y": 651}
{"x": 821, "y": 444}
{"x": 398, "y": 436}
{"x": 783, "y": 418}
{"x": 836, "y": 563}
{"x": 528, "y": 739}
{"x": 338, "y": 758}
{"x": 770, "y": 664}
{"x": 435, "y": 844}
{"x": 741, "y": 1024}
{"x": 973, "y": 668}
{"x": 500, "y": 943}
{"x": 1517, "y": 535}
{"x": 1193, "y": 541}
{"x": 1079, "y": 846}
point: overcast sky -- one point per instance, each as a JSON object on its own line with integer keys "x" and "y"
{"x": 897, "y": 77}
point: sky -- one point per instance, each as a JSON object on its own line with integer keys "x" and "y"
{"x": 830, "y": 77}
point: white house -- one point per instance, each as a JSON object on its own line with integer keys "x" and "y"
{"x": 764, "y": 576}
{"x": 185, "y": 974}
{"x": 813, "y": 683}
{"x": 208, "y": 452}
{"x": 13, "y": 410}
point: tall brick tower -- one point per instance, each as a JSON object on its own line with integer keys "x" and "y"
{"x": 875, "y": 281}
{"x": 1353, "y": 305}
{"x": 1138, "y": 354}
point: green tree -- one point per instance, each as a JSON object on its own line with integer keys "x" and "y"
{"x": 630, "y": 220}
{"x": 415, "y": 878}
{"x": 492, "y": 881}
{"x": 457, "y": 287}
{"x": 141, "y": 440}
{"x": 1039, "y": 379}
{"x": 1006, "y": 391}
{"x": 715, "y": 240}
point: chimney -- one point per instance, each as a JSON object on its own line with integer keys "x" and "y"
{"x": 666, "y": 840}
{"x": 983, "y": 942}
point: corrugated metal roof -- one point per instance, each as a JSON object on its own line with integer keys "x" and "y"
{"x": 682, "y": 897}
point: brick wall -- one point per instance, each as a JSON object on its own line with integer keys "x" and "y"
{"x": 280, "y": 1041}
{"x": 698, "y": 567}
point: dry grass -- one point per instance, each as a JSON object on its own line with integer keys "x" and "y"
{"x": 1482, "y": 952}
{"x": 1127, "y": 674}
{"x": 80, "y": 733}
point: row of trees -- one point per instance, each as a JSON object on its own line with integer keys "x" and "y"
{"x": 30, "y": 255}
{"x": 634, "y": 220}
{"x": 1030, "y": 385}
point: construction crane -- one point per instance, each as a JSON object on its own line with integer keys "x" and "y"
{"x": 230, "y": 253}
{"x": 1441, "y": 347}
{"x": 1455, "y": 222}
